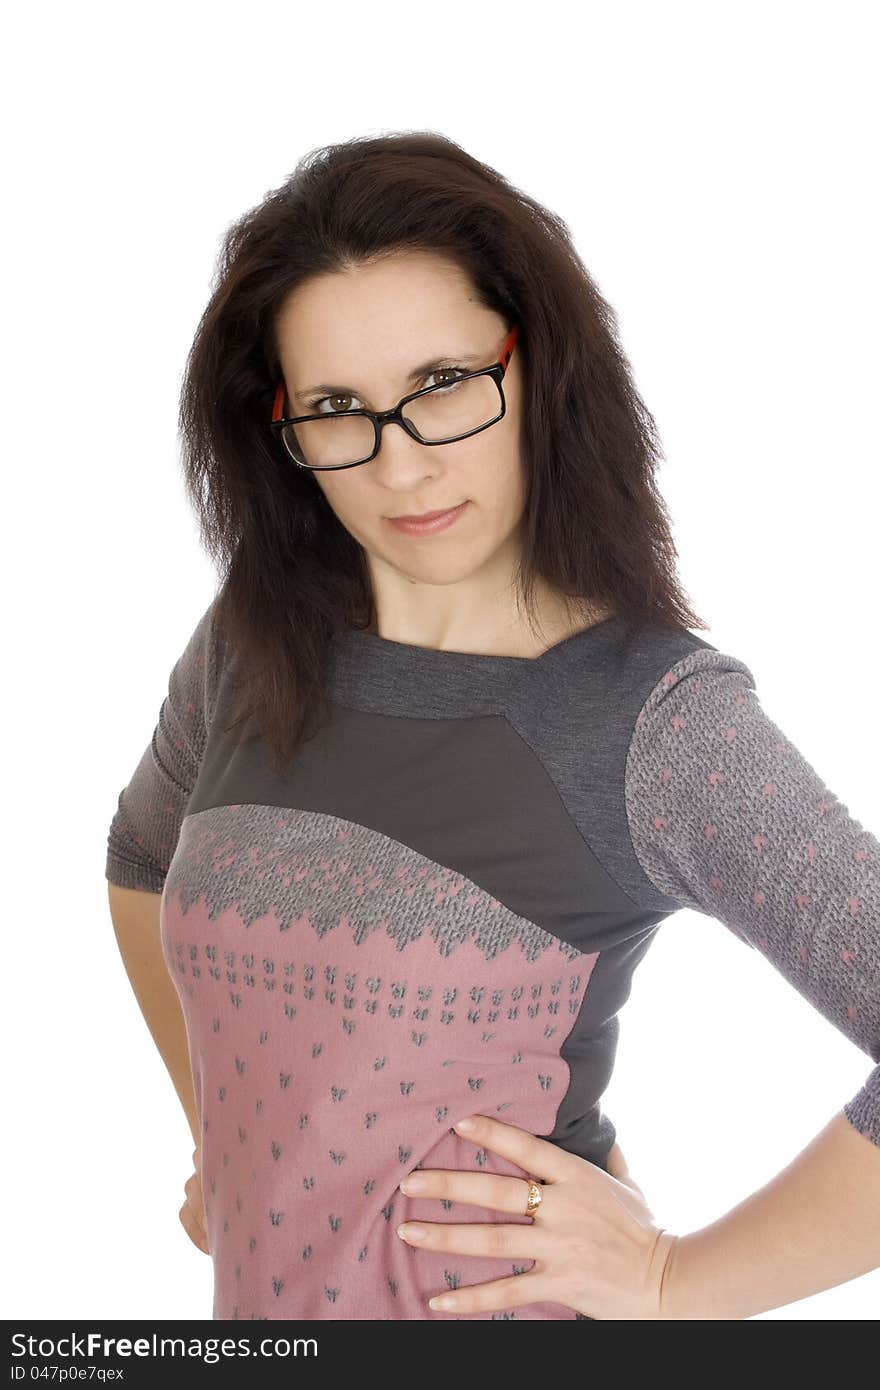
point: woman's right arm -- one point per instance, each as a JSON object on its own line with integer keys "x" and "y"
{"x": 142, "y": 837}
{"x": 135, "y": 915}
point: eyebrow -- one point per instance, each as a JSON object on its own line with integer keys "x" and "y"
{"x": 460, "y": 359}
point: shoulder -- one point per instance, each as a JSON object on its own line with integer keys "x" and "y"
{"x": 697, "y": 705}
{"x": 691, "y": 675}
{"x": 197, "y": 673}
{"x": 637, "y": 667}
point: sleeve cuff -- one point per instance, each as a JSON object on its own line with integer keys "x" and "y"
{"x": 863, "y": 1110}
{"x": 127, "y": 875}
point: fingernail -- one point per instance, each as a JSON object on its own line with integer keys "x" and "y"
{"x": 465, "y": 1126}
{"x": 407, "y": 1232}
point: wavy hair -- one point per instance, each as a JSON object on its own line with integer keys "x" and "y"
{"x": 595, "y": 526}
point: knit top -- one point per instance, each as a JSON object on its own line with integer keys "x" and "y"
{"x": 436, "y": 909}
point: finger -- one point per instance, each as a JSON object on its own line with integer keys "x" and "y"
{"x": 194, "y": 1211}
{"x": 490, "y": 1190}
{"x": 530, "y": 1152}
{"x": 505, "y": 1242}
{"x": 193, "y": 1222}
{"x": 511, "y": 1292}
{"x": 193, "y": 1229}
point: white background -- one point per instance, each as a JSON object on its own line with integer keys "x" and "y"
{"x": 716, "y": 165}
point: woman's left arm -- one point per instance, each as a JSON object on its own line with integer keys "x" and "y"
{"x": 727, "y": 817}
{"x": 815, "y": 1225}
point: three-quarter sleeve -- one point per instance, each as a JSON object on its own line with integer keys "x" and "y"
{"x": 145, "y": 828}
{"x": 727, "y": 817}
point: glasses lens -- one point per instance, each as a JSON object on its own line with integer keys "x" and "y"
{"x": 446, "y": 412}
{"x": 326, "y": 441}
{"x": 443, "y": 413}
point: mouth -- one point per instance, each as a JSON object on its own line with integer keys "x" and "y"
{"x": 427, "y": 523}
{"x": 426, "y": 516}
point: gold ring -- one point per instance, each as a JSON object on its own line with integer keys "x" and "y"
{"x": 534, "y": 1199}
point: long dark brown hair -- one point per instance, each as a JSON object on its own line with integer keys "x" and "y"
{"x": 595, "y": 526}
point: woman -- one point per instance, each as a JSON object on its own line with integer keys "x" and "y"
{"x": 436, "y": 762}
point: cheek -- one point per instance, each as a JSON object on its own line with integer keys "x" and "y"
{"x": 501, "y": 480}
{"x": 348, "y": 499}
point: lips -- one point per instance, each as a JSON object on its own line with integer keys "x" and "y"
{"x": 425, "y": 516}
{"x": 429, "y": 523}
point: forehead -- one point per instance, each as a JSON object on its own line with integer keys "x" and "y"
{"x": 394, "y": 313}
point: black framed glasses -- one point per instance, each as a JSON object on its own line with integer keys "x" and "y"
{"x": 435, "y": 415}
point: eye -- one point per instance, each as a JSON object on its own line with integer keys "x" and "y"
{"x": 438, "y": 371}
{"x": 348, "y": 402}
{"x": 315, "y": 406}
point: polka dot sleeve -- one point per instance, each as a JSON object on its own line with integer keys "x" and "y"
{"x": 144, "y": 831}
{"x": 727, "y": 817}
